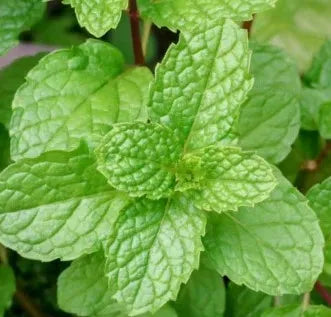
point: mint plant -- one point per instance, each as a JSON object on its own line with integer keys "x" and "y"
{"x": 157, "y": 184}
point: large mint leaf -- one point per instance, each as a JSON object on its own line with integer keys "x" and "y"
{"x": 275, "y": 247}
{"x": 83, "y": 288}
{"x": 243, "y": 302}
{"x": 11, "y": 78}
{"x": 201, "y": 83}
{"x": 72, "y": 94}
{"x": 227, "y": 178}
{"x": 286, "y": 26}
{"x": 269, "y": 123}
{"x": 188, "y": 14}
{"x": 319, "y": 73}
{"x": 202, "y": 296}
{"x": 324, "y": 120}
{"x": 154, "y": 246}
{"x": 7, "y": 287}
{"x": 298, "y": 311}
{"x": 15, "y": 17}
{"x": 140, "y": 158}
{"x": 56, "y": 206}
{"x": 98, "y": 16}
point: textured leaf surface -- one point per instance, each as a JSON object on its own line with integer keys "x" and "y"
{"x": 83, "y": 288}
{"x": 98, "y": 16}
{"x": 11, "y": 78}
{"x": 269, "y": 123}
{"x": 139, "y": 158}
{"x": 202, "y": 296}
{"x": 72, "y": 94}
{"x": 7, "y": 287}
{"x": 272, "y": 66}
{"x": 15, "y": 17}
{"x": 297, "y": 311}
{"x": 286, "y": 26}
{"x": 56, "y": 206}
{"x": 186, "y": 14}
{"x": 319, "y": 73}
{"x": 201, "y": 83}
{"x": 154, "y": 246}
{"x": 231, "y": 179}
{"x": 275, "y": 247}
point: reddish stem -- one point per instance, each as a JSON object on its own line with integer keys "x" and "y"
{"x": 323, "y": 292}
{"x": 135, "y": 33}
{"x": 247, "y": 25}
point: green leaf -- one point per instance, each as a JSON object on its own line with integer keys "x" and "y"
{"x": 286, "y": 26}
{"x": 186, "y": 14}
{"x": 11, "y": 78}
{"x": 98, "y": 16}
{"x": 140, "y": 158}
{"x": 324, "y": 121}
{"x": 201, "y": 84}
{"x": 243, "y": 302}
{"x": 297, "y": 311}
{"x": 56, "y": 206}
{"x": 73, "y": 94}
{"x": 275, "y": 247}
{"x": 202, "y": 296}
{"x": 7, "y": 287}
{"x": 319, "y": 200}
{"x": 83, "y": 288}
{"x": 311, "y": 101}
{"x": 229, "y": 178}
{"x": 153, "y": 248}
{"x": 319, "y": 73}
{"x": 269, "y": 123}
{"x": 15, "y": 17}
{"x": 272, "y": 66}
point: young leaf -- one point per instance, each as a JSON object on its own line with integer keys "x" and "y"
{"x": 188, "y": 14}
{"x": 319, "y": 73}
{"x": 269, "y": 123}
{"x": 72, "y": 94}
{"x": 140, "y": 158}
{"x": 202, "y": 296}
{"x": 243, "y": 302}
{"x": 7, "y": 287}
{"x": 201, "y": 84}
{"x": 229, "y": 179}
{"x": 15, "y": 17}
{"x": 153, "y": 248}
{"x": 11, "y": 78}
{"x": 83, "y": 288}
{"x": 56, "y": 206}
{"x": 275, "y": 247}
{"x": 98, "y": 16}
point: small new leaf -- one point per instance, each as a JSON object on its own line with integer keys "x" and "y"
{"x": 153, "y": 248}
{"x": 140, "y": 158}
{"x": 275, "y": 247}
{"x": 98, "y": 16}
{"x": 201, "y": 83}
{"x": 73, "y": 94}
{"x": 228, "y": 179}
{"x": 56, "y": 206}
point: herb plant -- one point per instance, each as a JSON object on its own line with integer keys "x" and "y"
{"x": 158, "y": 184}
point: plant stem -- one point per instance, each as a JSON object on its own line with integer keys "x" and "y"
{"x": 247, "y": 25}
{"x": 135, "y": 33}
{"x": 320, "y": 289}
{"x": 3, "y": 255}
{"x": 314, "y": 165}
{"x": 305, "y": 301}
{"x": 277, "y": 301}
{"x": 25, "y": 302}
{"x": 146, "y": 34}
